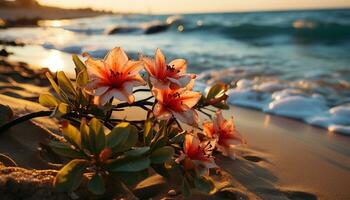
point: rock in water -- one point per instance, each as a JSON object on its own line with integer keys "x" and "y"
{"x": 4, "y": 53}
{"x": 156, "y": 28}
{"x": 121, "y": 30}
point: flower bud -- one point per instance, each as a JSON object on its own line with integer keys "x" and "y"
{"x": 105, "y": 154}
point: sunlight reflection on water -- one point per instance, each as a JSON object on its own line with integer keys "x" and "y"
{"x": 54, "y": 61}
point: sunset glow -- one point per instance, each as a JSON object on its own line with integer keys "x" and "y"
{"x": 190, "y": 6}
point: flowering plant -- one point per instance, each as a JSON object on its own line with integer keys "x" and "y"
{"x": 96, "y": 145}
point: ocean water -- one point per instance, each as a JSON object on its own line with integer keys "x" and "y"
{"x": 294, "y": 64}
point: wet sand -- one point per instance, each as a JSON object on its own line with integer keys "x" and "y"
{"x": 295, "y": 157}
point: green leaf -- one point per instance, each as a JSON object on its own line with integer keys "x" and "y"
{"x": 48, "y": 100}
{"x": 217, "y": 90}
{"x": 222, "y": 105}
{"x": 161, "y": 170}
{"x": 71, "y": 134}
{"x": 186, "y": 189}
{"x": 137, "y": 151}
{"x": 61, "y": 110}
{"x": 97, "y": 135}
{"x": 66, "y": 85}
{"x": 160, "y": 139}
{"x": 131, "y": 178}
{"x": 130, "y": 141}
{"x": 204, "y": 184}
{"x": 83, "y": 98}
{"x": 162, "y": 155}
{"x": 147, "y": 132}
{"x": 129, "y": 164}
{"x": 82, "y": 78}
{"x": 118, "y": 135}
{"x": 70, "y": 176}
{"x": 53, "y": 83}
{"x": 84, "y": 132}
{"x": 65, "y": 150}
{"x": 79, "y": 65}
{"x": 96, "y": 185}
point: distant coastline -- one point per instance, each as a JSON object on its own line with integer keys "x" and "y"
{"x": 12, "y": 15}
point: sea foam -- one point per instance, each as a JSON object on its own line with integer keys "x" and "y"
{"x": 286, "y": 99}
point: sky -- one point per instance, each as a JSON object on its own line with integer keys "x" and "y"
{"x": 196, "y": 6}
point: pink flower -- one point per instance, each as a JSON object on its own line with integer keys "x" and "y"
{"x": 115, "y": 76}
{"x": 176, "y": 103}
{"x": 165, "y": 76}
{"x": 225, "y": 134}
{"x": 197, "y": 154}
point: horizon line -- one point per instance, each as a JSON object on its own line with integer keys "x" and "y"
{"x": 205, "y": 12}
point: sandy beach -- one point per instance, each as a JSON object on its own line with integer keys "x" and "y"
{"x": 284, "y": 159}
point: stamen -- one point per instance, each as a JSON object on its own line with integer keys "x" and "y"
{"x": 170, "y": 68}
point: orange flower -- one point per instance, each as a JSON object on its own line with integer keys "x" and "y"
{"x": 115, "y": 76}
{"x": 225, "y": 134}
{"x": 165, "y": 76}
{"x": 196, "y": 154}
{"x": 177, "y": 103}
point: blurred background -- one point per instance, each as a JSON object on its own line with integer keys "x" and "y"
{"x": 279, "y": 56}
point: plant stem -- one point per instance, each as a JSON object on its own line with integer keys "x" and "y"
{"x": 143, "y": 102}
{"x": 208, "y": 115}
{"x": 23, "y": 119}
{"x": 124, "y": 120}
{"x": 141, "y": 90}
{"x": 209, "y": 109}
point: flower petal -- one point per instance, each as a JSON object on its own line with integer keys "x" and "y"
{"x": 208, "y": 129}
{"x": 160, "y": 63}
{"x": 159, "y": 84}
{"x": 219, "y": 118}
{"x": 191, "y": 145}
{"x": 179, "y": 65}
{"x": 99, "y": 91}
{"x": 116, "y": 59}
{"x": 137, "y": 80}
{"x": 103, "y": 99}
{"x": 182, "y": 81}
{"x": 189, "y": 117}
{"x": 95, "y": 68}
{"x": 133, "y": 67}
{"x": 158, "y": 94}
{"x": 190, "y": 98}
{"x": 127, "y": 91}
{"x": 92, "y": 84}
{"x": 149, "y": 65}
